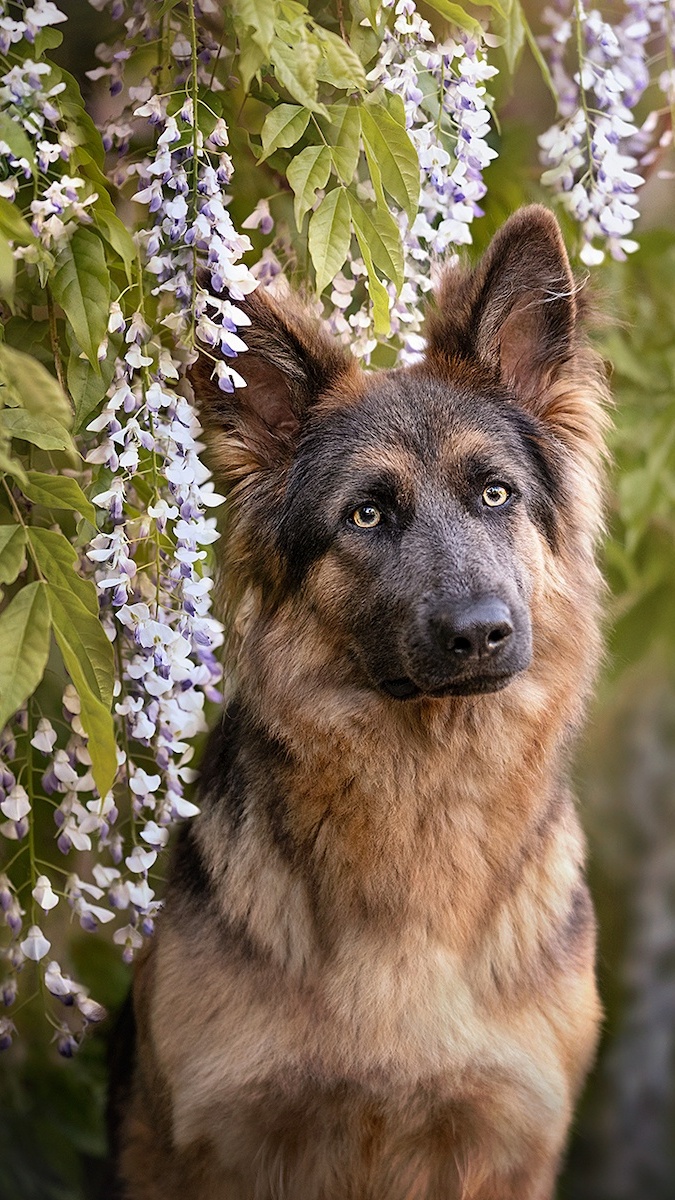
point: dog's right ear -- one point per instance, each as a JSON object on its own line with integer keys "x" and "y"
{"x": 291, "y": 361}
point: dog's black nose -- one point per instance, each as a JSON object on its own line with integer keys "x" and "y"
{"x": 472, "y": 630}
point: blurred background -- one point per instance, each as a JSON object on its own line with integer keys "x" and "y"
{"x": 623, "y": 1144}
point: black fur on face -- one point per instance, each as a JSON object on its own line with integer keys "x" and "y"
{"x": 402, "y": 504}
{"x": 435, "y": 595}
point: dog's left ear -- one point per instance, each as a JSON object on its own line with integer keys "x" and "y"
{"x": 516, "y": 312}
{"x": 290, "y": 363}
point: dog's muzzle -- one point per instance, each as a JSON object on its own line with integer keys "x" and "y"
{"x": 464, "y": 648}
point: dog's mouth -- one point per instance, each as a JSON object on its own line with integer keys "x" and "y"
{"x": 407, "y": 689}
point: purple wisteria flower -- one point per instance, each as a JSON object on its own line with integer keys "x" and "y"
{"x": 448, "y": 120}
{"x": 592, "y": 155}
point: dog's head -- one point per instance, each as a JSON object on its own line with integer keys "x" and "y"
{"x": 412, "y": 519}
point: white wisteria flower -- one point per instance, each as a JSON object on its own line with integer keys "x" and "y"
{"x": 44, "y": 894}
{"x": 35, "y": 946}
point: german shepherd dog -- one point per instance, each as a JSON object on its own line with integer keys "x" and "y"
{"x": 374, "y": 977}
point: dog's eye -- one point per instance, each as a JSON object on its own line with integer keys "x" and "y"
{"x": 496, "y": 494}
{"x": 366, "y": 516}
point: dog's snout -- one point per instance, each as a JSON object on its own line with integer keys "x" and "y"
{"x": 473, "y": 630}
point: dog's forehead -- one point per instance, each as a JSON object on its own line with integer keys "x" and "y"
{"x": 404, "y": 416}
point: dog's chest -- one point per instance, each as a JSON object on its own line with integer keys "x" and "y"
{"x": 389, "y": 1032}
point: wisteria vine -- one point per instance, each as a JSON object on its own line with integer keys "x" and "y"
{"x": 140, "y": 501}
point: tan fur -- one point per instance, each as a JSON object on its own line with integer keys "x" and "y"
{"x": 411, "y": 1008}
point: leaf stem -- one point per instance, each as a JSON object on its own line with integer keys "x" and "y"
{"x": 56, "y": 347}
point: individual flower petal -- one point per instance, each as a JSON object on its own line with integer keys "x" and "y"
{"x": 44, "y": 738}
{"x": 35, "y": 946}
{"x": 44, "y": 894}
{"x": 16, "y": 804}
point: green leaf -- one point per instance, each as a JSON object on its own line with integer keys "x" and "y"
{"x": 80, "y": 125}
{"x": 83, "y": 634}
{"x": 7, "y": 270}
{"x": 117, "y": 235}
{"x": 510, "y": 26}
{"x": 396, "y": 157}
{"x": 8, "y": 463}
{"x": 539, "y": 57}
{"x": 30, "y": 337}
{"x": 344, "y": 135}
{"x": 258, "y": 16}
{"x": 455, "y": 14}
{"x": 377, "y": 290}
{"x": 12, "y": 132}
{"x": 42, "y": 431}
{"x": 88, "y": 386}
{"x": 251, "y": 58}
{"x": 497, "y": 6}
{"x": 395, "y": 106}
{"x": 340, "y": 65}
{"x": 25, "y": 383}
{"x": 47, "y": 39}
{"x": 329, "y": 236}
{"x": 58, "y": 563}
{"x": 88, "y": 167}
{"x": 284, "y": 126}
{"x": 81, "y": 285}
{"x": 24, "y": 647}
{"x": 308, "y": 171}
{"x": 13, "y": 224}
{"x": 88, "y": 657}
{"x": 58, "y": 491}
{"x": 378, "y": 229}
{"x": 12, "y": 551}
{"x": 375, "y": 176}
{"x": 295, "y": 68}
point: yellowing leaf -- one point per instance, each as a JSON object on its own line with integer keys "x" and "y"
{"x": 340, "y": 65}
{"x": 455, "y": 14}
{"x": 13, "y": 225}
{"x": 258, "y": 16}
{"x": 13, "y": 134}
{"x": 376, "y": 289}
{"x": 83, "y": 633}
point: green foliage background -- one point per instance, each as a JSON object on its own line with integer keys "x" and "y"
{"x": 623, "y": 1148}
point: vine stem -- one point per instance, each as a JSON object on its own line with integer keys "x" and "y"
{"x": 578, "y": 14}
{"x": 56, "y": 347}
{"x": 117, "y": 650}
{"x": 194, "y": 92}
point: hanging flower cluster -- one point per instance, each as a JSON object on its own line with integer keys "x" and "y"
{"x": 158, "y": 493}
{"x": 31, "y": 96}
{"x": 448, "y": 120}
{"x": 153, "y": 495}
{"x": 594, "y": 153}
